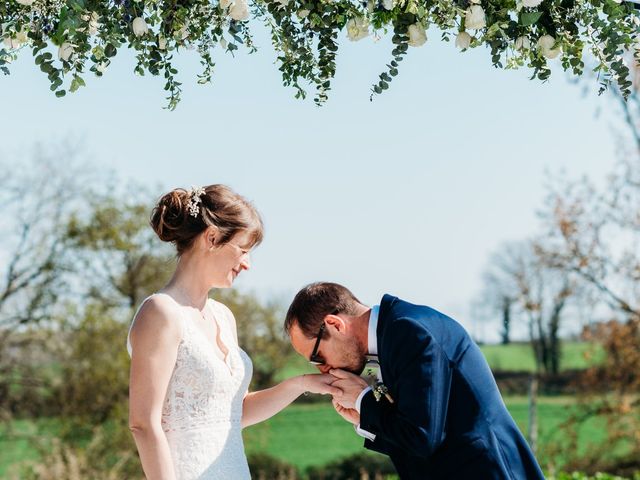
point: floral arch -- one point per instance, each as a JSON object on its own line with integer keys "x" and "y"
{"x": 517, "y": 33}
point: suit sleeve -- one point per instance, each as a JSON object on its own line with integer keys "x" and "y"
{"x": 422, "y": 373}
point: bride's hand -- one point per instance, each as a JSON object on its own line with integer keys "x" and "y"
{"x": 319, "y": 383}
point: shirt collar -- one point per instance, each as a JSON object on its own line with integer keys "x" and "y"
{"x": 373, "y": 325}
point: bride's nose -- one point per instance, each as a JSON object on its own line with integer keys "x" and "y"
{"x": 246, "y": 262}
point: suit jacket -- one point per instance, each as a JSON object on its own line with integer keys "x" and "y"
{"x": 448, "y": 420}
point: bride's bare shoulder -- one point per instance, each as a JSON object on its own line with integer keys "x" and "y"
{"x": 157, "y": 317}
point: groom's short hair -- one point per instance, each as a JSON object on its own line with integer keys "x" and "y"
{"x": 314, "y": 302}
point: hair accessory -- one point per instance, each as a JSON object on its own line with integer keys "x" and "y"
{"x": 194, "y": 200}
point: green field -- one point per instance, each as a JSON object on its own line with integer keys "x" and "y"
{"x": 519, "y": 356}
{"x": 512, "y": 357}
{"x": 313, "y": 434}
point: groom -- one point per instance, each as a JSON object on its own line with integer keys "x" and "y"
{"x": 435, "y": 410}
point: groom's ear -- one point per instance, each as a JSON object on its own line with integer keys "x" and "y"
{"x": 336, "y": 322}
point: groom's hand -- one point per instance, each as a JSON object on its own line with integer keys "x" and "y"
{"x": 351, "y": 386}
{"x": 349, "y": 414}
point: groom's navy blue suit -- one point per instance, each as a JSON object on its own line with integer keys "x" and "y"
{"x": 448, "y": 420}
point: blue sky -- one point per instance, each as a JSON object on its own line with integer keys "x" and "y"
{"x": 408, "y": 194}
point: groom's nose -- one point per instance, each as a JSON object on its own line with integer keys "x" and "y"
{"x": 324, "y": 368}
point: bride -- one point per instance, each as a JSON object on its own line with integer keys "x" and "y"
{"x": 189, "y": 378}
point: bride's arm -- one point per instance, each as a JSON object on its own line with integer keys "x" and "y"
{"x": 264, "y": 404}
{"x": 261, "y": 405}
{"x": 154, "y": 341}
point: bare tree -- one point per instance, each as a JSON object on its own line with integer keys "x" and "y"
{"x": 523, "y": 288}
{"x": 595, "y": 235}
{"x": 37, "y": 197}
{"x": 499, "y": 294}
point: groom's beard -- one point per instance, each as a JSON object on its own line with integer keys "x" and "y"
{"x": 355, "y": 357}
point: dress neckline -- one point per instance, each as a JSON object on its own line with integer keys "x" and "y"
{"x": 219, "y": 330}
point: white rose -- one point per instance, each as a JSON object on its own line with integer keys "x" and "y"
{"x": 183, "y": 33}
{"x": 11, "y": 43}
{"x": 25, "y": 2}
{"x": 162, "y": 43}
{"x": 16, "y": 42}
{"x": 65, "y": 51}
{"x": 531, "y": 3}
{"x": 545, "y": 44}
{"x": 21, "y": 36}
{"x": 417, "y": 35}
{"x": 387, "y": 4}
{"x": 93, "y": 23}
{"x": 239, "y": 11}
{"x": 303, "y": 13}
{"x": 463, "y": 40}
{"x": 140, "y": 27}
{"x": 523, "y": 43}
{"x": 475, "y": 18}
{"x": 357, "y": 28}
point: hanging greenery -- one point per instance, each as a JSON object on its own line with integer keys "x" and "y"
{"x": 305, "y": 34}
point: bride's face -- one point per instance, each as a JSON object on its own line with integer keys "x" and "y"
{"x": 230, "y": 259}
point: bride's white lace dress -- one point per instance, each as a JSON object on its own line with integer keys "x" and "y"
{"x": 202, "y": 411}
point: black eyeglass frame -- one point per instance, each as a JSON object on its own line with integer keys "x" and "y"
{"x": 316, "y": 359}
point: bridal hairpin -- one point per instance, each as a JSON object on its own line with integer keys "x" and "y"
{"x": 194, "y": 200}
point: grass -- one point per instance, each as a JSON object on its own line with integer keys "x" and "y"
{"x": 313, "y": 434}
{"x": 511, "y": 357}
{"x": 17, "y": 440}
{"x": 519, "y": 356}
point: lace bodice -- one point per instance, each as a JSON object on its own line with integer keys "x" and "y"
{"x": 202, "y": 410}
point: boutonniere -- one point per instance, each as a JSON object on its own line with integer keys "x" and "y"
{"x": 379, "y": 389}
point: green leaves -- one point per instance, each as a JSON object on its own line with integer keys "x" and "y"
{"x": 307, "y": 36}
{"x": 529, "y": 18}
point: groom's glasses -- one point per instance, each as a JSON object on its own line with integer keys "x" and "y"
{"x": 316, "y": 359}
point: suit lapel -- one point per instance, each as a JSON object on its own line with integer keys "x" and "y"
{"x": 385, "y": 319}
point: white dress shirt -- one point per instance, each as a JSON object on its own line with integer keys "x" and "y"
{"x": 372, "y": 340}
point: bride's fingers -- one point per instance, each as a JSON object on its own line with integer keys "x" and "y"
{"x": 341, "y": 374}
{"x": 334, "y": 391}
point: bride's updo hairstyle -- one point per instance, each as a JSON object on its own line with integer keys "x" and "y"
{"x": 181, "y": 215}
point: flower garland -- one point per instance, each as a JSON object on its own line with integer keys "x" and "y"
{"x": 518, "y": 33}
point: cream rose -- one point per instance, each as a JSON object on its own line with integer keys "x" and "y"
{"x": 545, "y": 44}
{"x": 357, "y": 28}
{"x": 239, "y": 11}
{"x": 475, "y": 18}
{"x": 417, "y": 35}
{"x": 523, "y": 43}
{"x": 65, "y": 51}
{"x": 463, "y": 40}
{"x": 140, "y": 27}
